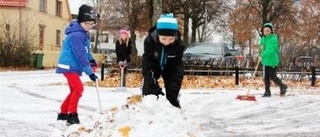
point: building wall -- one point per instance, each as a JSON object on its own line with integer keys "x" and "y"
{"x": 31, "y": 18}
{"x": 50, "y": 58}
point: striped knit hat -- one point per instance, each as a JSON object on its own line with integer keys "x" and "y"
{"x": 167, "y": 25}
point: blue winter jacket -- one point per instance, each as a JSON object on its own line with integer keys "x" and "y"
{"x": 75, "y": 54}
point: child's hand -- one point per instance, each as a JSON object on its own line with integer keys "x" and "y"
{"x": 261, "y": 47}
{"x": 93, "y": 63}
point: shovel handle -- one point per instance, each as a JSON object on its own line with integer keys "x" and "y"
{"x": 254, "y": 73}
{"x": 256, "y": 68}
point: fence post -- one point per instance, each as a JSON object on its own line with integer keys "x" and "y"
{"x": 313, "y": 76}
{"x": 102, "y": 72}
{"x": 237, "y": 76}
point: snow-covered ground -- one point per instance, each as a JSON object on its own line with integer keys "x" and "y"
{"x": 30, "y": 103}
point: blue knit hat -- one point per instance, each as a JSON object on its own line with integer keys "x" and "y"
{"x": 167, "y": 25}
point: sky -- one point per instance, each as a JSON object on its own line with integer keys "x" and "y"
{"x": 30, "y": 101}
{"x": 75, "y": 4}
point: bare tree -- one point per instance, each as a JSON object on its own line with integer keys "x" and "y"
{"x": 207, "y": 11}
{"x": 98, "y": 8}
{"x": 195, "y": 10}
{"x": 255, "y": 13}
{"x": 156, "y": 10}
{"x": 130, "y": 14}
{"x": 133, "y": 11}
{"x": 309, "y": 25}
{"x": 17, "y": 40}
{"x": 185, "y": 12}
{"x": 243, "y": 22}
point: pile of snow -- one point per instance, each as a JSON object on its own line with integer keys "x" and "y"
{"x": 30, "y": 103}
{"x": 136, "y": 118}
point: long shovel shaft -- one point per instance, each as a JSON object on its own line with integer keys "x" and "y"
{"x": 250, "y": 97}
{"x": 97, "y": 89}
{"x": 121, "y": 77}
{"x": 254, "y": 73}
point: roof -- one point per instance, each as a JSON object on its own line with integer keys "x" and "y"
{"x": 13, "y": 3}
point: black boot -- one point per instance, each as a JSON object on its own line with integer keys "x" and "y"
{"x": 62, "y": 116}
{"x": 73, "y": 119}
{"x": 283, "y": 89}
{"x": 174, "y": 99}
{"x": 267, "y": 93}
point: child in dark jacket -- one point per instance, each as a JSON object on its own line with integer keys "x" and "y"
{"x": 123, "y": 52}
{"x": 75, "y": 58}
{"x": 163, "y": 50}
{"x": 269, "y": 48}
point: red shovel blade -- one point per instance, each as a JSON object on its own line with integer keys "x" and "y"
{"x": 246, "y": 97}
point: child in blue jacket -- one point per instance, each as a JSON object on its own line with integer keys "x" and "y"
{"x": 75, "y": 58}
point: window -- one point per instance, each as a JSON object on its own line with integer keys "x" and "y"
{"x": 105, "y": 38}
{"x": 43, "y": 5}
{"x": 41, "y": 35}
{"x": 58, "y": 8}
{"x": 58, "y": 38}
{"x": 115, "y": 39}
{"x": 92, "y": 37}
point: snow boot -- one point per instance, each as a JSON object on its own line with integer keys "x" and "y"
{"x": 73, "y": 119}
{"x": 174, "y": 100}
{"x": 267, "y": 92}
{"x": 175, "y": 103}
{"x": 283, "y": 89}
{"x": 62, "y": 116}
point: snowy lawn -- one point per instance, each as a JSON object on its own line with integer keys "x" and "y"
{"x": 30, "y": 103}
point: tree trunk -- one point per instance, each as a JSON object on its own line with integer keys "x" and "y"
{"x": 157, "y": 11}
{"x": 186, "y": 24}
{"x": 193, "y": 32}
{"x": 150, "y": 14}
{"x": 134, "y": 46}
{"x": 265, "y": 6}
{"x": 186, "y": 31}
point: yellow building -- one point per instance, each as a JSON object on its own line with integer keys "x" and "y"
{"x": 45, "y": 20}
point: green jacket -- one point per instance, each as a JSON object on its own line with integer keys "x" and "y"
{"x": 269, "y": 49}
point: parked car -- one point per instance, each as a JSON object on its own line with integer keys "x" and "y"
{"x": 239, "y": 59}
{"x": 207, "y": 55}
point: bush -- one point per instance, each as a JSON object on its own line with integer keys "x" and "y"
{"x": 15, "y": 51}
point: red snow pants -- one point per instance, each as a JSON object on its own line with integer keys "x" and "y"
{"x": 70, "y": 104}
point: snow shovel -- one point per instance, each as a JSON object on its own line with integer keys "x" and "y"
{"x": 122, "y": 87}
{"x": 97, "y": 89}
{"x": 249, "y": 97}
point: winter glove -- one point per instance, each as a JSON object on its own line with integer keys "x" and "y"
{"x": 93, "y": 63}
{"x": 158, "y": 92}
{"x": 122, "y": 63}
{"x": 93, "y": 77}
{"x": 152, "y": 90}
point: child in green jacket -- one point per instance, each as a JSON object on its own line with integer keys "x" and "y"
{"x": 269, "y": 49}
